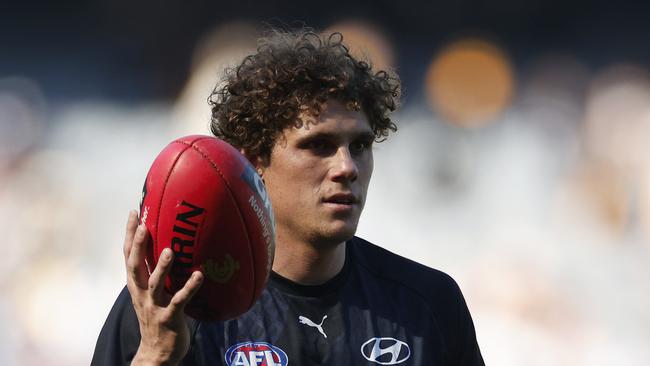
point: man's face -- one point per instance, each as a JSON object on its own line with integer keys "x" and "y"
{"x": 318, "y": 175}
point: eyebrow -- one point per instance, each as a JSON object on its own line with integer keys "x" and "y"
{"x": 365, "y": 134}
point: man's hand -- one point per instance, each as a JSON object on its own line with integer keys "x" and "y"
{"x": 164, "y": 333}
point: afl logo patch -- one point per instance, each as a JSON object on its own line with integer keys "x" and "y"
{"x": 385, "y": 351}
{"x": 255, "y": 354}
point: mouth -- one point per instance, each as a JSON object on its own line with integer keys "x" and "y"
{"x": 341, "y": 199}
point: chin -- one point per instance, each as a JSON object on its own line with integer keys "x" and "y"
{"x": 339, "y": 233}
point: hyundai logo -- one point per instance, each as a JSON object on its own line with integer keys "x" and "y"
{"x": 385, "y": 351}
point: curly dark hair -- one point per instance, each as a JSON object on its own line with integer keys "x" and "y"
{"x": 294, "y": 72}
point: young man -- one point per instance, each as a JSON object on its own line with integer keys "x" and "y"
{"x": 306, "y": 114}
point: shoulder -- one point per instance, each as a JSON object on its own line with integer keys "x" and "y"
{"x": 428, "y": 282}
{"x": 436, "y": 288}
{"x": 120, "y": 336}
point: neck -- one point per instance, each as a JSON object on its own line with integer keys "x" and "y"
{"x": 307, "y": 263}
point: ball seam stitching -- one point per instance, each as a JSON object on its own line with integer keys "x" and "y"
{"x": 241, "y": 216}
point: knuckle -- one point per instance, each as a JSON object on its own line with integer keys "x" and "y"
{"x": 131, "y": 265}
{"x": 135, "y": 244}
{"x": 178, "y": 300}
{"x": 140, "y": 233}
{"x": 191, "y": 287}
{"x": 162, "y": 262}
{"x": 167, "y": 317}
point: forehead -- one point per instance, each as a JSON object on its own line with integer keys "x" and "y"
{"x": 334, "y": 119}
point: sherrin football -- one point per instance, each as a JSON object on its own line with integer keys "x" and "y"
{"x": 204, "y": 200}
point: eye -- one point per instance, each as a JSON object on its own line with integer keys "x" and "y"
{"x": 319, "y": 146}
{"x": 360, "y": 146}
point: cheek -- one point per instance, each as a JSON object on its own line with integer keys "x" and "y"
{"x": 292, "y": 187}
{"x": 365, "y": 169}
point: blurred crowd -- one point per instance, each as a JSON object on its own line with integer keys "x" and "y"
{"x": 530, "y": 185}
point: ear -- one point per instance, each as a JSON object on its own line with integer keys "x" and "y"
{"x": 257, "y": 161}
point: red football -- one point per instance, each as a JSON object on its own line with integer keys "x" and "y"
{"x": 204, "y": 200}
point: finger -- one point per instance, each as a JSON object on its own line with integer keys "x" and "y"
{"x": 131, "y": 225}
{"x": 136, "y": 267}
{"x": 183, "y": 296}
{"x": 157, "y": 278}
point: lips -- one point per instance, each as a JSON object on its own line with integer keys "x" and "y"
{"x": 342, "y": 199}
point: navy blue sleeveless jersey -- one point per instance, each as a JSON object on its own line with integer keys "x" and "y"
{"x": 381, "y": 309}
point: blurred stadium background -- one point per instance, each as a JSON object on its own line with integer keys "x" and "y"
{"x": 521, "y": 167}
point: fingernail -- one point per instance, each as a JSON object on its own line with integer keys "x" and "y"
{"x": 167, "y": 253}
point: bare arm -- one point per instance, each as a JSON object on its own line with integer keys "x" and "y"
{"x": 165, "y": 335}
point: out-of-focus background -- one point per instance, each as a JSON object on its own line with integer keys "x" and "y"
{"x": 521, "y": 166}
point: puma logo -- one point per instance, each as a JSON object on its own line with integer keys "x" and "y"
{"x": 308, "y": 322}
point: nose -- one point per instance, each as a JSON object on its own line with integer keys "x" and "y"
{"x": 345, "y": 167}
